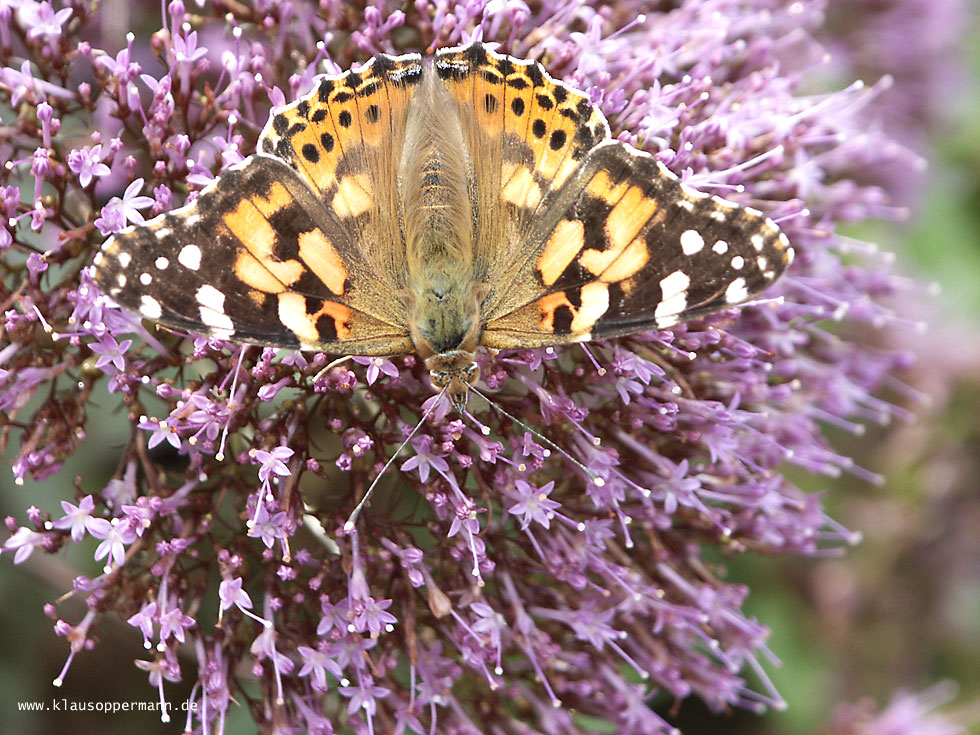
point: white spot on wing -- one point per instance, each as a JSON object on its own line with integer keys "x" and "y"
{"x": 757, "y": 241}
{"x": 190, "y": 257}
{"x": 736, "y": 291}
{"x": 212, "y": 303}
{"x": 150, "y": 307}
{"x": 125, "y": 259}
{"x": 737, "y": 262}
{"x": 720, "y": 247}
{"x": 161, "y": 263}
{"x": 146, "y": 279}
{"x": 691, "y": 242}
{"x": 673, "y": 290}
{"x": 121, "y": 280}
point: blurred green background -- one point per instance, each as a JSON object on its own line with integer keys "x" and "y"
{"x": 899, "y": 611}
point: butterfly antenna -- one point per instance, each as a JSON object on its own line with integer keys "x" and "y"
{"x": 599, "y": 482}
{"x": 352, "y": 518}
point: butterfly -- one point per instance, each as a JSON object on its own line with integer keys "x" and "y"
{"x": 438, "y": 205}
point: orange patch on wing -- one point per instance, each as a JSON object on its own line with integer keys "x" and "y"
{"x": 341, "y": 317}
{"x": 629, "y": 216}
{"x": 251, "y": 272}
{"x": 564, "y": 244}
{"x": 629, "y": 262}
{"x": 595, "y": 303}
{"x": 277, "y": 198}
{"x": 249, "y": 225}
{"x": 293, "y": 315}
{"x": 323, "y": 259}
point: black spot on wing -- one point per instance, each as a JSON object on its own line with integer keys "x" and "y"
{"x": 310, "y": 153}
{"x": 536, "y": 74}
{"x": 562, "y": 323}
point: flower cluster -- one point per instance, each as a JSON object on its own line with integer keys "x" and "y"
{"x": 490, "y": 578}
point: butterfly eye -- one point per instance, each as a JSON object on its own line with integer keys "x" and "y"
{"x": 439, "y": 378}
{"x": 471, "y": 373}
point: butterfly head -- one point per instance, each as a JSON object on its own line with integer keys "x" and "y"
{"x": 454, "y": 371}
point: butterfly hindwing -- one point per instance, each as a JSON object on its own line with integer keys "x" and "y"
{"x": 255, "y": 258}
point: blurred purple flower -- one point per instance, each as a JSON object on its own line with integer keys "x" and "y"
{"x": 41, "y": 20}
{"x": 111, "y": 352}
{"x": 533, "y": 504}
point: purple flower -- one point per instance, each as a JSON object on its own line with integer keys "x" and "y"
{"x": 116, "y": 535}
{"x": 36, "y": 265}
{"x": 377, "y": 366}
{"x": 87, "y": 163}
{"x": 174, "y": 623}
{"x": 145, "y": 620}
{"x": 371, "y": 616}
{"x": 111, "y": 353}
{"x": 23, "y": 541}
{"x": 76, "y": 517}
{"x": 318, "y": 662}
{"x": 533, "y": 504}
{"x": 424, "y": 460}
{"x": 231, "y": 594}
{"x": 41, "y": 20}
{"x": 132, "y": 201}
{"x": 272, "y": 463}
{"x": 268, "y": 526}
{"x": 161, "y": 432}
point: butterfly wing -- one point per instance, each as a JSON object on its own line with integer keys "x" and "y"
{"x": 588, "y": 237}
{"x": 637, "y": 250}
{"x": 295, "y": 246}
